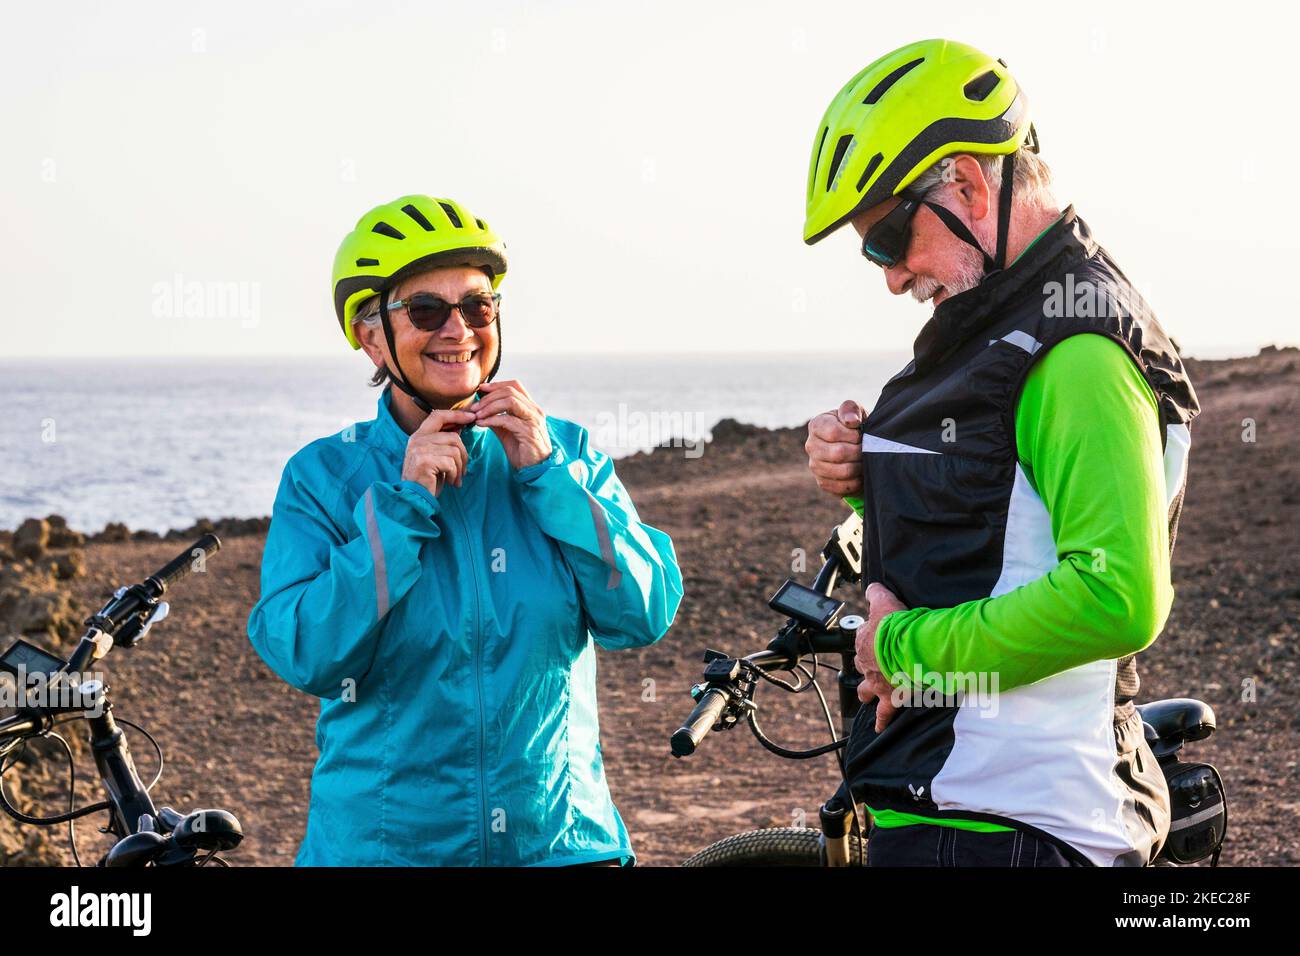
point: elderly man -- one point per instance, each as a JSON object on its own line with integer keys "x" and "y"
{"x": 1020, "y": 482}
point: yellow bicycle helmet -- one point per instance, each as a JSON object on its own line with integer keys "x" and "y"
{"x": 899, "y": 116}
{"x": 403, "y": 237}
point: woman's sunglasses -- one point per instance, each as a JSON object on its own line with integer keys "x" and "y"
{"x": 885, "y": 243}
{"x": 428, "y": 313}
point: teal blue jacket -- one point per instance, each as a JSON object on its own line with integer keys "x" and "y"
{"x": 450, "y": 640}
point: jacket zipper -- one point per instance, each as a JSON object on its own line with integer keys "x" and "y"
{"x": 478, "y": 684}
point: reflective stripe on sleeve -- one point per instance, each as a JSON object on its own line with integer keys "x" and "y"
{"x": 377, "y": 555}
{"x": 606, "y": 545}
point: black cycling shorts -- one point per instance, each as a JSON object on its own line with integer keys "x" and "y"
{"x": 924, "y": 844}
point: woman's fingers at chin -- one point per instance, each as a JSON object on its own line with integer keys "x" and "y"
{"x": 515, "y": 426}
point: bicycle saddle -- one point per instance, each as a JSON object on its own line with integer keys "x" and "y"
{"x": 1168, "y": 724}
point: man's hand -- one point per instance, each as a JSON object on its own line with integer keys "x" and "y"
{"x": 434, "y": 456}
{"x": 834, "y": 448}
{"x": 874, "y": 686}
{"x": 508, "y": 409}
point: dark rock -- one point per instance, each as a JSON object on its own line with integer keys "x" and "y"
{"x": 113, "y": 533}
{"x": 66, "y": 538}
{"x": 70, "y": 564}
{"x": 42, "y": 612}
{"x": 222, "y": 527}
{"x": 31, "y": 538}
{"x": 201, "y": 526}
{"x": 731, "y": 432}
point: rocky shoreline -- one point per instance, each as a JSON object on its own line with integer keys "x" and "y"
{"x": 237, "y": 736}
{"x": 52, "y": 531}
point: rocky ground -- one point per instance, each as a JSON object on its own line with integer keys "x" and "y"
{"x": 236, "y": 736}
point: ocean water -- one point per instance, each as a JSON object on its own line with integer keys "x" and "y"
{"x": 157, "y": 444}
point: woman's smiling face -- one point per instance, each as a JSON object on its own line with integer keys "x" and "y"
{"x": 447, "y": 365}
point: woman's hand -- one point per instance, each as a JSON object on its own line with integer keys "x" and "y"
{"x": 508, "y": 409}
{"x": 434, "y": 456}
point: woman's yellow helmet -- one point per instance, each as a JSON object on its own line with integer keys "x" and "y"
{"x": 403, "y": 237}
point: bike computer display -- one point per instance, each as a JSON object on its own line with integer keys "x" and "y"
{"x": 805, "y": 604}
{"x": 30, "y": 658}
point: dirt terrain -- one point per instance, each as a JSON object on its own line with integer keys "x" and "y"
{"x": 236, "y": 736}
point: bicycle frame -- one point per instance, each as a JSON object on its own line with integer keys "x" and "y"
{"x": 145, "y": 834}
{"x": 129, "y": 800}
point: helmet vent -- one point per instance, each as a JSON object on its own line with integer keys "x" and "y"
{"x": 384, "y": 229}
{"x": 871, "y": 168}
{"x": 821, "y": 144}
{"x": 367, "y": 262}
{"x": 838, "y": 158}
{"x": 481, "y": 224}
{"x": 418, "y": 217}
{"x": 450, "y": 210}
{"x": 883, "y": 86}
{"x": 979, "y": 88}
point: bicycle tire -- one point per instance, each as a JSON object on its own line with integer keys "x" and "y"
{"x": 776, "y": 846}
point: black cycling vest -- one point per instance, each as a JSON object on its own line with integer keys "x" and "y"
{"x": 940, "y": 468}
{"x": 934, "y": 524}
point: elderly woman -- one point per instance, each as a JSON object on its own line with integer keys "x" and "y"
{"x": 437, "y": 577}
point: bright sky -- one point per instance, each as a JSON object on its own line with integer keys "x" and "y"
{"x": 645, "y": 163}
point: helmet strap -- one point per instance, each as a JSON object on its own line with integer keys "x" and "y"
{"x": 958, "y": 229}
{"x": 395, "y": 373}
{"x": 996, "y": 262}
{"x": 1004, "y": 209}
{"x": 497, "y": 364}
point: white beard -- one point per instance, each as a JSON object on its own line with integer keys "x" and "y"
{"x": 967, "y": 274}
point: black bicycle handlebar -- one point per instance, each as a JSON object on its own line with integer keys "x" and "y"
{"x": 18, "y": 725}
{"x": 181, "y": 565}
{"x": 706, "y": 713}
{"x": 730, "y": 687}
{"x": 133, "y": 601}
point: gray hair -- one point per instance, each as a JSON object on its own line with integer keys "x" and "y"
{"x": 368, "y": 315}
{"x": 1031, "y": 184}
{"x": 368, "y": 312}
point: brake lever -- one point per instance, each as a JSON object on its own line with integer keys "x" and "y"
{"x": 134, "y": 630}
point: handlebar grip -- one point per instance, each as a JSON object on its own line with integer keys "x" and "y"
{"x": 701, "y": 721}
{"x": 183, "y": 563}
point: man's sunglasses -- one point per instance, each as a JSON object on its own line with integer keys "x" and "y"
{"x": 885, "y": 243}
{"x": 428, "y": 312}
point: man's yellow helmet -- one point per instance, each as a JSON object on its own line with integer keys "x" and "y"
{"x": 902, "y": 114}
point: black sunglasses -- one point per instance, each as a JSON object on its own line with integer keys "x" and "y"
{"x": 886, "y": 242}
{"x": 428, "y": 312}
